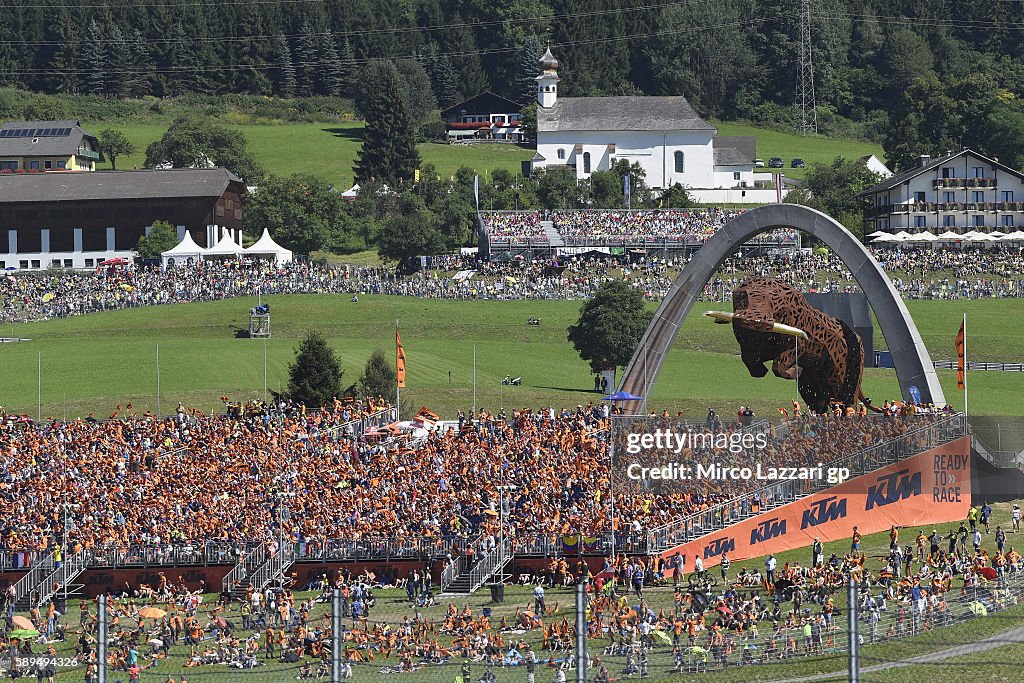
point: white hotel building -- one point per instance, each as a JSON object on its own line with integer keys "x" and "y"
{"x": 959, "y": 192}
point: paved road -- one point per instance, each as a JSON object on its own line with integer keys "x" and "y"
{"x": 1013, "y": 636}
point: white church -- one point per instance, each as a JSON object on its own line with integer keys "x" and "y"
{"x": 663, "y": 134}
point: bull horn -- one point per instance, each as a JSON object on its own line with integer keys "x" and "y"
{"x": 720, "y": 317}
{"x": 791, "y": 331}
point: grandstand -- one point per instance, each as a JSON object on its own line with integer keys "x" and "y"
{"x": 661, "y": 231}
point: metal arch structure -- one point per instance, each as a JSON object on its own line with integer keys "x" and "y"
{"x": 909, "y": 355}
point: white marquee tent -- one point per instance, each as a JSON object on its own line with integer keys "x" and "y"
{"x": 226, "y": 248}
{"x": 183, "y": 251}
{"x": 265, "y": 247}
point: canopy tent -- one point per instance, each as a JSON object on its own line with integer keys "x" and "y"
{"x": 1015, "y": 236}
{"x": 185, "y": 250}
{"x": 884, "y": 237}
{"x": 923, "y": 238}
{"x": 265, "y": 246}
{"x": 226, "y": 248}
{"x": 950, "y": 236}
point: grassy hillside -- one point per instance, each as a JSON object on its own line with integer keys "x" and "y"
{"x": 93, "y": 363}
{"x": 810, "y": 148}
{"x": 326, "y": 150}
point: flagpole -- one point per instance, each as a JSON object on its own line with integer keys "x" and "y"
{"x": 398, "y": 385}
{"x": 965, "y": 364}
{"x": 474, "y": 381}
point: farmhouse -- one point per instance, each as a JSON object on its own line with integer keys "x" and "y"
{"x": 664, "y": 135}
{"x": 483, "y": 117}
{"x": 77, "y": 220}
{"x": 47, "y": 146}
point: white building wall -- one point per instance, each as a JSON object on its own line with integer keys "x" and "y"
{"x": 60, "y": 259}
{"x": 933, "y": 188}
{"x": 725, "y": 176}
{"x": 654, "y": 151}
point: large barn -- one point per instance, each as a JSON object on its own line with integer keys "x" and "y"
{"x": 77, "y": 220}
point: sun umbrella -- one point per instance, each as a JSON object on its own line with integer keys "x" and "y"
{"x": 950, "y": 236}
{"x": 978, "y": 608}
{"x": 884, "y": 237}
{"x": 24, "y": 633}
{"x": 662, "y": 636}
{"x": 623, "y": 396}
{"x": 878, "y": 233}
{"x": 23, "y": 622}
{"x": 152, "y": 613}
{"x": 988, "y": 572}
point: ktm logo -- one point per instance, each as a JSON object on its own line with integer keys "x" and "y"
{"x": 826, "y": 510}
{"x": 889, "y": 490}
{"x": 768, "y": 529}
{"x": 718, "y": 547}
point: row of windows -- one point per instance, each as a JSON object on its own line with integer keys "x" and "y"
{"x": 34, "y": 165}
{"x": 678, "y": 159}
{"x": 976, "y": 196}
{"x": 950, "y": 221}
{"x": 976, "y": 172}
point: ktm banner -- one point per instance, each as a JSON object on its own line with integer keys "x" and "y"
{"x": 927, "y": 489}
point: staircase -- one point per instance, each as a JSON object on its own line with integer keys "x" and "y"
{"x": 259, "y": 570}
{"x": 458, "y": 580}
{"x": 236, "y": 580}
{"x": 554, "y": 237}
{"x": 45, "y": 580}
{"x": 725, "y": 514}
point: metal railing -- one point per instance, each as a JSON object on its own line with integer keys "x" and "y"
{"x": 485, "y": 567}
{"x": 71, "y": 568}
{"x": 33, "y": 579}
{"x": 273, "y": 569}
{"x": 719, "y": 516}
{"x": 242, "y": 572}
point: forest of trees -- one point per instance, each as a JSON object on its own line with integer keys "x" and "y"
{"x": 920, "y": 76}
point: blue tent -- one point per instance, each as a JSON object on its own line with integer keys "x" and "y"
{"x": 623, "y": 396}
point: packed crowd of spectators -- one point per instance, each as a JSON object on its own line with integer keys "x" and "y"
{"x": 675, "y": 225}
{"x": 520, "y": 227}
{"x": 918, "y": 274}
{"x": 691, "y": 226}
{"x": 194, "y": 478}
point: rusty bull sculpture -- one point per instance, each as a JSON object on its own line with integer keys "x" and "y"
{"x": 827, "y": 359}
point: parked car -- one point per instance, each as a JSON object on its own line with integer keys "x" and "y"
{"x": 775, "y": 162}
{"x": 798, "y": 163}
{"x": 758, "y": 163}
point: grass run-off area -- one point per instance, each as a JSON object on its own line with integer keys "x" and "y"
{"x": 392, "y": 607}
{"x": 328, "y": 150}
{"x": 93, "y": 363}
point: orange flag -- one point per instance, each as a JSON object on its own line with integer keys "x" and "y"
{"x": 399, "y": 359}
{"x": 961, "y": 352}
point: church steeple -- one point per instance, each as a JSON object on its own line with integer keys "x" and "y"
{"x": 547, "y": 82}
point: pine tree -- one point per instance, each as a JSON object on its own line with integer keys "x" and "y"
{"x": 94, "y": 60}
{"x": 285, "y": 68}
{"x": 142, "y": 65}
{"x": 306, "y": 58}
{"x": 444, "y": 79}
{"x": 119, "y": 68}
{"x": 379, "y": 377}
{"x": 527, "y": 69}
{"x": 315, "y": 376}
{"x": 347, "y": 59}
{"x": 331, "y": 76}
{"x": 389, "y": 138}
{"x": 184, "y": 68}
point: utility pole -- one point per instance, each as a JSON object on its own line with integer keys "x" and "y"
{"x": 805, "y": 75}
{"x": 581, "y": 631}
{"x": 853, "y": 627}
